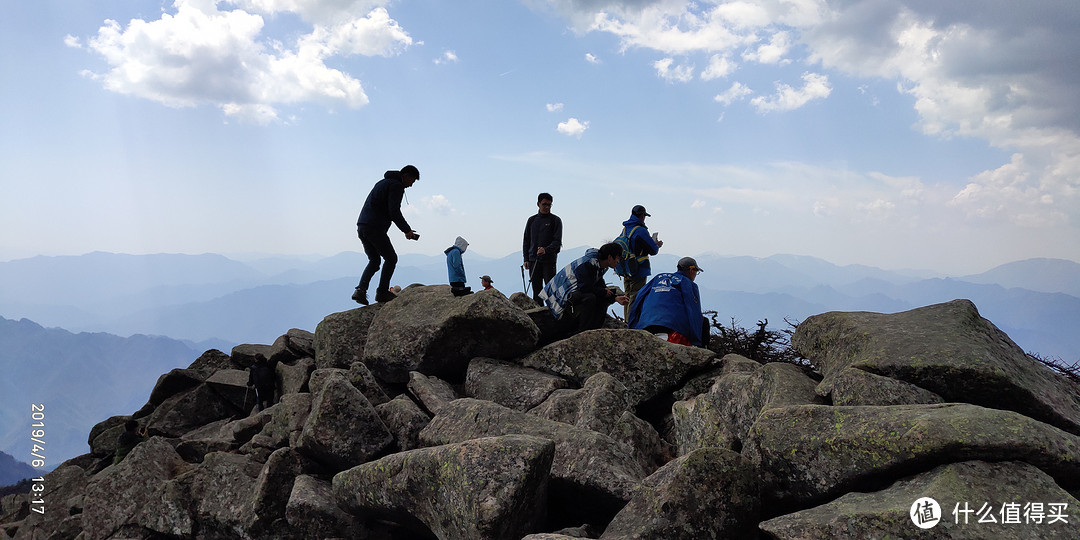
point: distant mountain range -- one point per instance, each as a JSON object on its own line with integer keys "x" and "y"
{"x": 13, "y": 470}
{"x": 79, "y": 380}
{"x": 211, "y": 301}
{"x": 214, "y": 301}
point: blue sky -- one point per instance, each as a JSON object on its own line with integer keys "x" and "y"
{"x": 893, "y": 133}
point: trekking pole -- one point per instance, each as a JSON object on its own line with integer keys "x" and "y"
{"x": 524, "y": 285}
{"x": 246, "y": 392}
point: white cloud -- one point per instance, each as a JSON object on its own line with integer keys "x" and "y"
{"x": 448, "y": 57}
{"x": 719, "y": 66}
{"x": 572, "y": 127}
{"x": 788, "y": 98}
{"x": 438, "y": 204}
{"x": 251, "y": 113}
{"x": 591, "y": 58}
{"x": 72, "y": 41}
{"x": 665, "y": 69}
{"x": 736, "y": 92}
{"x": 698, "y": 203}
{"x": 552, "y": 107}
{"x": 200, "y": 55}
{"x": 772, "y": 52}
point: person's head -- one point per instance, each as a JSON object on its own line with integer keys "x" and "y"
{"x": 409, "y": 175}
{"x": 131, "y": 425}
{"x": 461, "y": 244}
{"x": 610, "y": 255}
{"x": 260, "y": 358}
{"x": 688, "y": 267}
{"x": 485, "y": 280}
{"x": 639, "y": 212}
{"x": 543, "y": 202}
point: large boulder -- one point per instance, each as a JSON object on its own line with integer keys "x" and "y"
{"x": 218, "y": 493}
{"x": 287, "y": 420}
{"x": 590, "y": 470}
{"x": 948, "y": 349}
{"x": 405, "y": 419}
{"x": 603, "y": 405}
{"x": 509, "y": 384}
{"x": 857, "y": 387}
{"x": 722, "y": 416}
{"x": 312, "y": 512}
{"x": 430, "y": 391}
{"x": 488, "y": 488}
{"x": 343, "y": 428}
{"x": 428, "y": 329}
{"x": 835, "y": 450}
{"x": 973, "y": 502}
{"x": 193, "y": 408}
{"x": 340, "y": 338}
{"x": 645, "y": 365}
{"x": 710, "y": 493}
{"x": 116, "y": 499}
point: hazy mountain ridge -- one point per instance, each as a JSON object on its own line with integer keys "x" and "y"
{"x": 13, "y": 470}
{"x": 78, "y": 378}
{"x": 253, "y": 301}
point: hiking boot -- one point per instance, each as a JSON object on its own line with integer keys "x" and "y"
{"x": 360, "y": 296}
{"x": 384, "y": 296}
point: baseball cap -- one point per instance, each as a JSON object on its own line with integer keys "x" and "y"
{"x": 688, "y": 263}
{"x": 639, "y": 210}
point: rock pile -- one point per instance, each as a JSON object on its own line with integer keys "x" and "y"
{"x": 437, "y": 416}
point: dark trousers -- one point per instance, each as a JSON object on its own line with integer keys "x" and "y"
{"x": 264, "y": 397}
{"x": 377, "y": 245}
{"x": 540, "y": 273}
{"x": 588, "y": 309}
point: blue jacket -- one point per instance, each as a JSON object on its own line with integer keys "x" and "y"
{"x": 455, "y": 268}
{"x": 383, "y": 205}
{"x": 671, "y": 301}
{"x": 582, "y": 274}
{"x": 641, "y": 244}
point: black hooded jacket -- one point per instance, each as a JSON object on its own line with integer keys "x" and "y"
{"x": 383, "y": 205}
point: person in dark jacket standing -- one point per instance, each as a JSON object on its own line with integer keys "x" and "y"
{"x": 383, "y": 207}
{"x": 541, "y": 244}
{"x": 261, "y": 377}
{"x": 641, "y": 245}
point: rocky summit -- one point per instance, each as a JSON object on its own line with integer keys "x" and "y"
{"x": 436, "y": 416}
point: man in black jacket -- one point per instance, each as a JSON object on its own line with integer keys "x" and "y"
{"x": 262, "y": 378}
{"x": 541, "y": 245}
{"x": 383, "y": 207}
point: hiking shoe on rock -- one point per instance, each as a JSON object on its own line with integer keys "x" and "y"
{"x": 384, "y": 296}
{"x": 360, "y": 296}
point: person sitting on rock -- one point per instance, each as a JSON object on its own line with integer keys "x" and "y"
{"x": 455, "y": 268}
{"x": 669, "y": 306}
{"x": 486, "y": 281}
{"x": 261, "y": 377}
{"x": 127, "y": 440}
{"x": 578, "y": 292}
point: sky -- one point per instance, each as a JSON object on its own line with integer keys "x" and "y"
{"x": 892, "y": 133}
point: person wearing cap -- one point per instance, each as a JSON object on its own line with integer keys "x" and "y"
{"x": 455, "y": 268}
{"x": 541, "y": 244}
{"x": 486, "y": 281}
{"x": 641, "y": 246}
{"x": 383, "y": 207}
{"x": 670, "y": 306}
